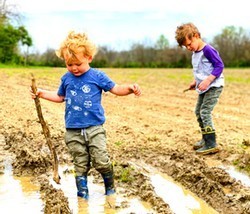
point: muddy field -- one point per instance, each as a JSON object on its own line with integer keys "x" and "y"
{"x": 155, "y": 130}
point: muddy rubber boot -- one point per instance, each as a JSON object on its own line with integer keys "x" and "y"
{"x": 200, "y": 143}
{"x": 108, "y": 179}
{"x": 210, "y": 144}
{"x": 82, "y": 188}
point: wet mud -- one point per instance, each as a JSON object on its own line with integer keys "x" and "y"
{"x": 150, "y": 134}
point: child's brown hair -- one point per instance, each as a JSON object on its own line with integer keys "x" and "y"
{"x": 184, "y": 31}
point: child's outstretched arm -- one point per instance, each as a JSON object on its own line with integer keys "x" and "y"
{"x": 47, "y": 95}
{"x": 122, "y": 90}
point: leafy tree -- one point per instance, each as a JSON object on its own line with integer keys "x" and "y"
{"x": 10, "y": 36}
{"x": 25, "y": 39}
{"x": 162, "y": 43}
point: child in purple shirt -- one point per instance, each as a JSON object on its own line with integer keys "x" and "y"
{"x": 208, "y": 82}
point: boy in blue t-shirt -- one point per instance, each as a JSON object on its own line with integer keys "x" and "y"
{"x": 81, "y": 88}
{"x": 208, "y": 82}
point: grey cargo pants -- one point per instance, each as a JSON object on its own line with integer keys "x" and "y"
{"x": 205, "y": 105}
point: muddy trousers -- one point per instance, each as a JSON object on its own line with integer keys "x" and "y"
{"x": 88, "y": 148}
{"x": 203, "y": 111}
{"x": 204, "y": 107}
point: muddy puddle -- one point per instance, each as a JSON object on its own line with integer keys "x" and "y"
{"x": 239, "y": 176}
{"x": 232, "y": 171}
{"x": 179, "y": 199}
{"x": 175, "y": 195}
{"x": 20, "y": 195}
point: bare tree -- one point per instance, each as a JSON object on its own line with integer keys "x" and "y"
{"x": 8, "y": 12}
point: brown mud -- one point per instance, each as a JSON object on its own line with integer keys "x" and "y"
{"x": 158, "y": 129}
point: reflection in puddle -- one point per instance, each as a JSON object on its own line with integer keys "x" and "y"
{"x": 20, "y": 195}
{"x": 179, "y": 199}
{"x": 239, "y": 176}
{"x": 98, "y": 202}
{"x": 232, "y": 171}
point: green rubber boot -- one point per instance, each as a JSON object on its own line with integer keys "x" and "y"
{"x": 210, "y": 146}
{"x": 200, "y": 143}
{"x": 108, "y": 179}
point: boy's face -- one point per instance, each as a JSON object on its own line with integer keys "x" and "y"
{"x": 78, "y": 65}
{"x": 192, "y": 44}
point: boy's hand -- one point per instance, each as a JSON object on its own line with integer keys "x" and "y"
{"x": 38, "y": 93}
{"x": 192, "y": 85}
{"x": 204, "y": 85}
{"x": 135, "y": 88}
{"x": 206, "y": 82}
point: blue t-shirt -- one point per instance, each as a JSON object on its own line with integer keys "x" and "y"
{"x": 83, "y": 96}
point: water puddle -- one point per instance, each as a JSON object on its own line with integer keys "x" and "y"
{"x": 20, "y": 195}
{"x": 233, "y": 172}
{"x": 98, "y": 202}
{"x": 239, "y": 176}
{"x": 176, "y": 196}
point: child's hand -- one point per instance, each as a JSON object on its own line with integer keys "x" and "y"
{"x": 206, "y": 82}
{"x": 204, "y": 85}
{"x": 38, "y": 93}
{"x": 192, "y": 85}
{"x": 135, "y": 88}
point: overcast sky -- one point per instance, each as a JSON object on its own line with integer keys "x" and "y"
{"x": 120, "y": 23}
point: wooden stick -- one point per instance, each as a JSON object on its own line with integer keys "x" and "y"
{"x": 185, "y": 90}
{"x": 46, "y": 132}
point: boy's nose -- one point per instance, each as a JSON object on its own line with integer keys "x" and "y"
{"x": 74, "y": 67}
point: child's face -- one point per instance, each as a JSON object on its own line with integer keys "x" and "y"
{"x": 79, "y": 65}
{"x": 192, "y": 44}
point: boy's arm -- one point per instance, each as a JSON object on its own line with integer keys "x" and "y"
{"x": 122, "y": 90}
{"x": 206, "y": 82}
{"x": 213, "y": 56}
{"x": 48, "y": 95}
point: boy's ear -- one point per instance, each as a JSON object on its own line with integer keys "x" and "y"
{"x": 196, "y": 35}
{"x": 90, "y": 58}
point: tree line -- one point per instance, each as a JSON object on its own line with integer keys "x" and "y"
{"x": 232, "y": 43}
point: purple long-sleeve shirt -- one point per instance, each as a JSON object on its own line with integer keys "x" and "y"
{"x": 213, "y": 56}
{"x": 206, "y": 62}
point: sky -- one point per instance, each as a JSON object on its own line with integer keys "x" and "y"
{"x": 118, "y": 24}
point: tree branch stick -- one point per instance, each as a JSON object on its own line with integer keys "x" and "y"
{"x": 46, "y": 132}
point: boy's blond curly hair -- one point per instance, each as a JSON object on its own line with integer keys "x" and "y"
{"x": 184, "y": 31}
{"x": 76, "y": 43}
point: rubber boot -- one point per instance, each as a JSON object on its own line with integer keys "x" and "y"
{"x": 200, "y": 143}
{"x": 108, "y": 179}
{"x": 82, "y": 188}
{"x": 210, "y": 144}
